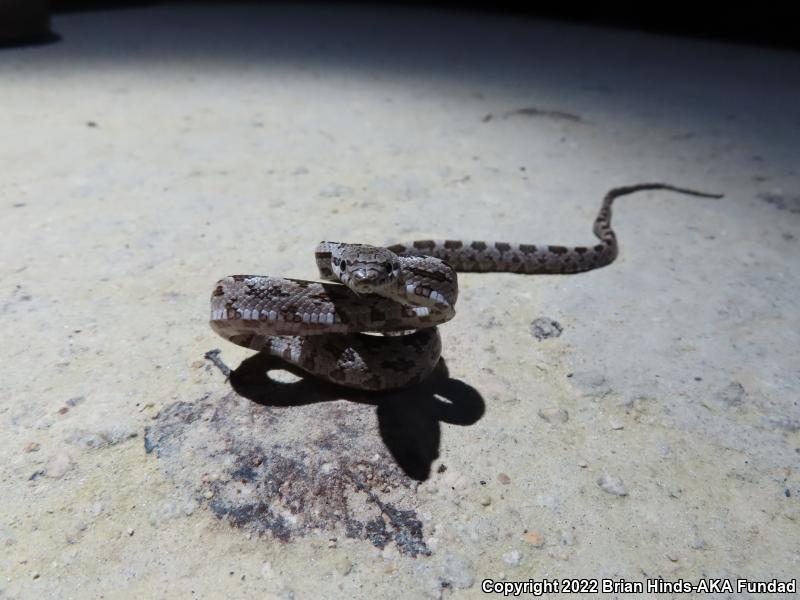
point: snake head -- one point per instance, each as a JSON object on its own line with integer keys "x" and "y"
{"x": 365, "y": 269}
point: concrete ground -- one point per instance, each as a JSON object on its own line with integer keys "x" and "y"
{"x": 654, "y": 432}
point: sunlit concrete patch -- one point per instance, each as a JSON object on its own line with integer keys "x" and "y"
{"x": 315, "y": 470}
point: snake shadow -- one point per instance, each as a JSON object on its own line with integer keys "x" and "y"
{"x": 409, "y": 420}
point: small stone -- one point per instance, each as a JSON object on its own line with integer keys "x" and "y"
{"x": 58, "y": 465}
{"x": 512, "y": 558}
{"x": 504, "y": 479}
{"x": 617, "y": 425}
{"x": 486, "y": 501}
{"x": 534, "y": 538}
{"x": 332, "y": 543}
{"x": 198, "y": 364}
{"x": 130, "y": 531}
{"x": 208, "y": 494}
{"x": 554, "y": 415}
{"x": 672, "y": 557}
{"x": 583, "y": 464}
{"x": 567, "y": 538}
{"x": 35, "y": 575}
{"x": 612, "y": 485}
{"x": 32, "y": 447}
{"x": 544, "y": 328}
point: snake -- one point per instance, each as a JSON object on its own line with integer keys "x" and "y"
{"x": 372, "y": 322}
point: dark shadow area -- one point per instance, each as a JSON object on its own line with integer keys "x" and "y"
{"x": 767, "y": 26}
{"x": 25, "y": 23}
{"x": 71, "y": 6}
{"x": 41, "y": 39}
{"x": 408, "y": 420}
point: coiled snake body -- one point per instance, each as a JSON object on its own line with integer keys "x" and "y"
{"x": 402, "y": 291}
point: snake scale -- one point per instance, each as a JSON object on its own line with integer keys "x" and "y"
{"x": 402, "y": 291}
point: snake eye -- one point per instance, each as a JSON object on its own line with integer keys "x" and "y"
{"x": 396, "y": 266}
{"x": 387, "y": 266}
{"x": 343, "y": 264}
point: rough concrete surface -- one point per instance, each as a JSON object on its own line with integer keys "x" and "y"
{"x": 638, "y": 421}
